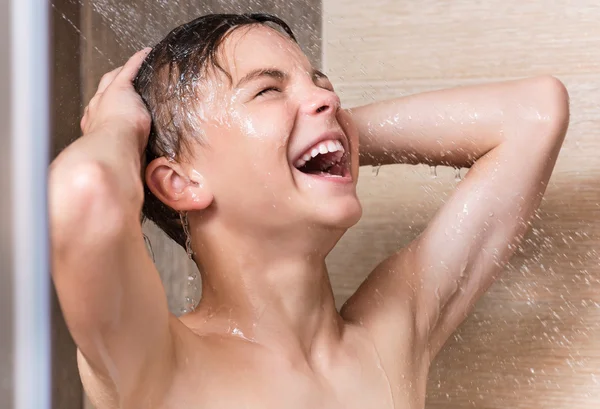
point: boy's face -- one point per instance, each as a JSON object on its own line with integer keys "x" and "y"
{"x": 261, "y": 128}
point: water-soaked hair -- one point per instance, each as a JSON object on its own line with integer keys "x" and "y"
{"x": 167, "y": 82}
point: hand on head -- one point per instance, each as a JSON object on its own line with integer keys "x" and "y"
{"x": 116, "y": 106}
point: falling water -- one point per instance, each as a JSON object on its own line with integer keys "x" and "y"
{"x": 132, "y": 28}
{"x": 457, "y": 175}
{"x": 78, "y": 31}
{"x": 433, "y": 171}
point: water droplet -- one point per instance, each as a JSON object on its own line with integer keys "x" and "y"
{"x": 433, "y": 171}
{"x": 457, "y": 176}
{"x": 376, "y": 170}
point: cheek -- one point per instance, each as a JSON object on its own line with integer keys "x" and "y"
{"x": 247, "y": 125}
{"x": 268, "y": 121}
{"x": 248, "y": 157}
{"x": 351, "y": 131}
{"x": 250, "y": 151}
{"x": 349, "y": 127}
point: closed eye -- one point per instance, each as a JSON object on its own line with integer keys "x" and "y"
{"x": 325, "y": 84}
{"x": 321, "y": 80}
{"x": 267, "y": 90}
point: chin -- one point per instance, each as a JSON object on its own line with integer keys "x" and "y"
{"x": 341, "y": 215}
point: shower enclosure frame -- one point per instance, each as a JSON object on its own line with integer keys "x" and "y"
{"x": 24, "y": 261}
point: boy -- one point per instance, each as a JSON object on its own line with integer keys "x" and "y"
{"x": 250, "y": 163}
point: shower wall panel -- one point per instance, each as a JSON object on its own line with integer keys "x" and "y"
{"x": 65, "y": 114}
{"x": 532, "y": 341}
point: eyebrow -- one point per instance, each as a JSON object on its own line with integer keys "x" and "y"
{"x": 261, "y": 72}
{"x": 273, "y": 73}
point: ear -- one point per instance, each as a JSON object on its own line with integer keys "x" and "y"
{"x": 169, "y": 182}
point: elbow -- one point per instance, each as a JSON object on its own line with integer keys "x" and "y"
{"x": 551, "y": 107}
{"x": 83, "y": 205}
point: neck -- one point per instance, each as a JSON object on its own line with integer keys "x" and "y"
{"x": 266, "y": 290}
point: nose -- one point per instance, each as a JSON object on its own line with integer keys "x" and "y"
{"x": 320, "y": 101}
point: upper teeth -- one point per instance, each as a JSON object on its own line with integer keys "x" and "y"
{"x": 320, "y": 148}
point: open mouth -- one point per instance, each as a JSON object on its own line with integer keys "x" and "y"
{"x": 327, "y": 159}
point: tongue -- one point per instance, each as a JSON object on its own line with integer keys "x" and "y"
{"x": 336, "y": 170}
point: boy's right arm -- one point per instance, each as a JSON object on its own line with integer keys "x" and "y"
{"x": 109, "y": 290}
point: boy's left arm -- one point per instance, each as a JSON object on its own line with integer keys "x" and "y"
{"x": 509, "y": 134}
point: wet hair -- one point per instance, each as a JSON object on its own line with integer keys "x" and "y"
{"x": 167, "y": 82}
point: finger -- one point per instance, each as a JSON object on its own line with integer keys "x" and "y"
{"x": 131, "y": 67}
{"x": 107, "y": 79}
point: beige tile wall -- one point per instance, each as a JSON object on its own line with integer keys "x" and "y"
{"x": 534, "y": 339}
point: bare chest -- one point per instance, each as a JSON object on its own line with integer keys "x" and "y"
{"x": 271, "y": 389}
{"x": 244, "y": 377}
{"x": 244, "y": 381}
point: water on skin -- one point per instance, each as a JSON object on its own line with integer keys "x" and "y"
{"x": 237, "y": 332}
{"x": 191, "y": 291}
{"x": 197, "y": 177}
